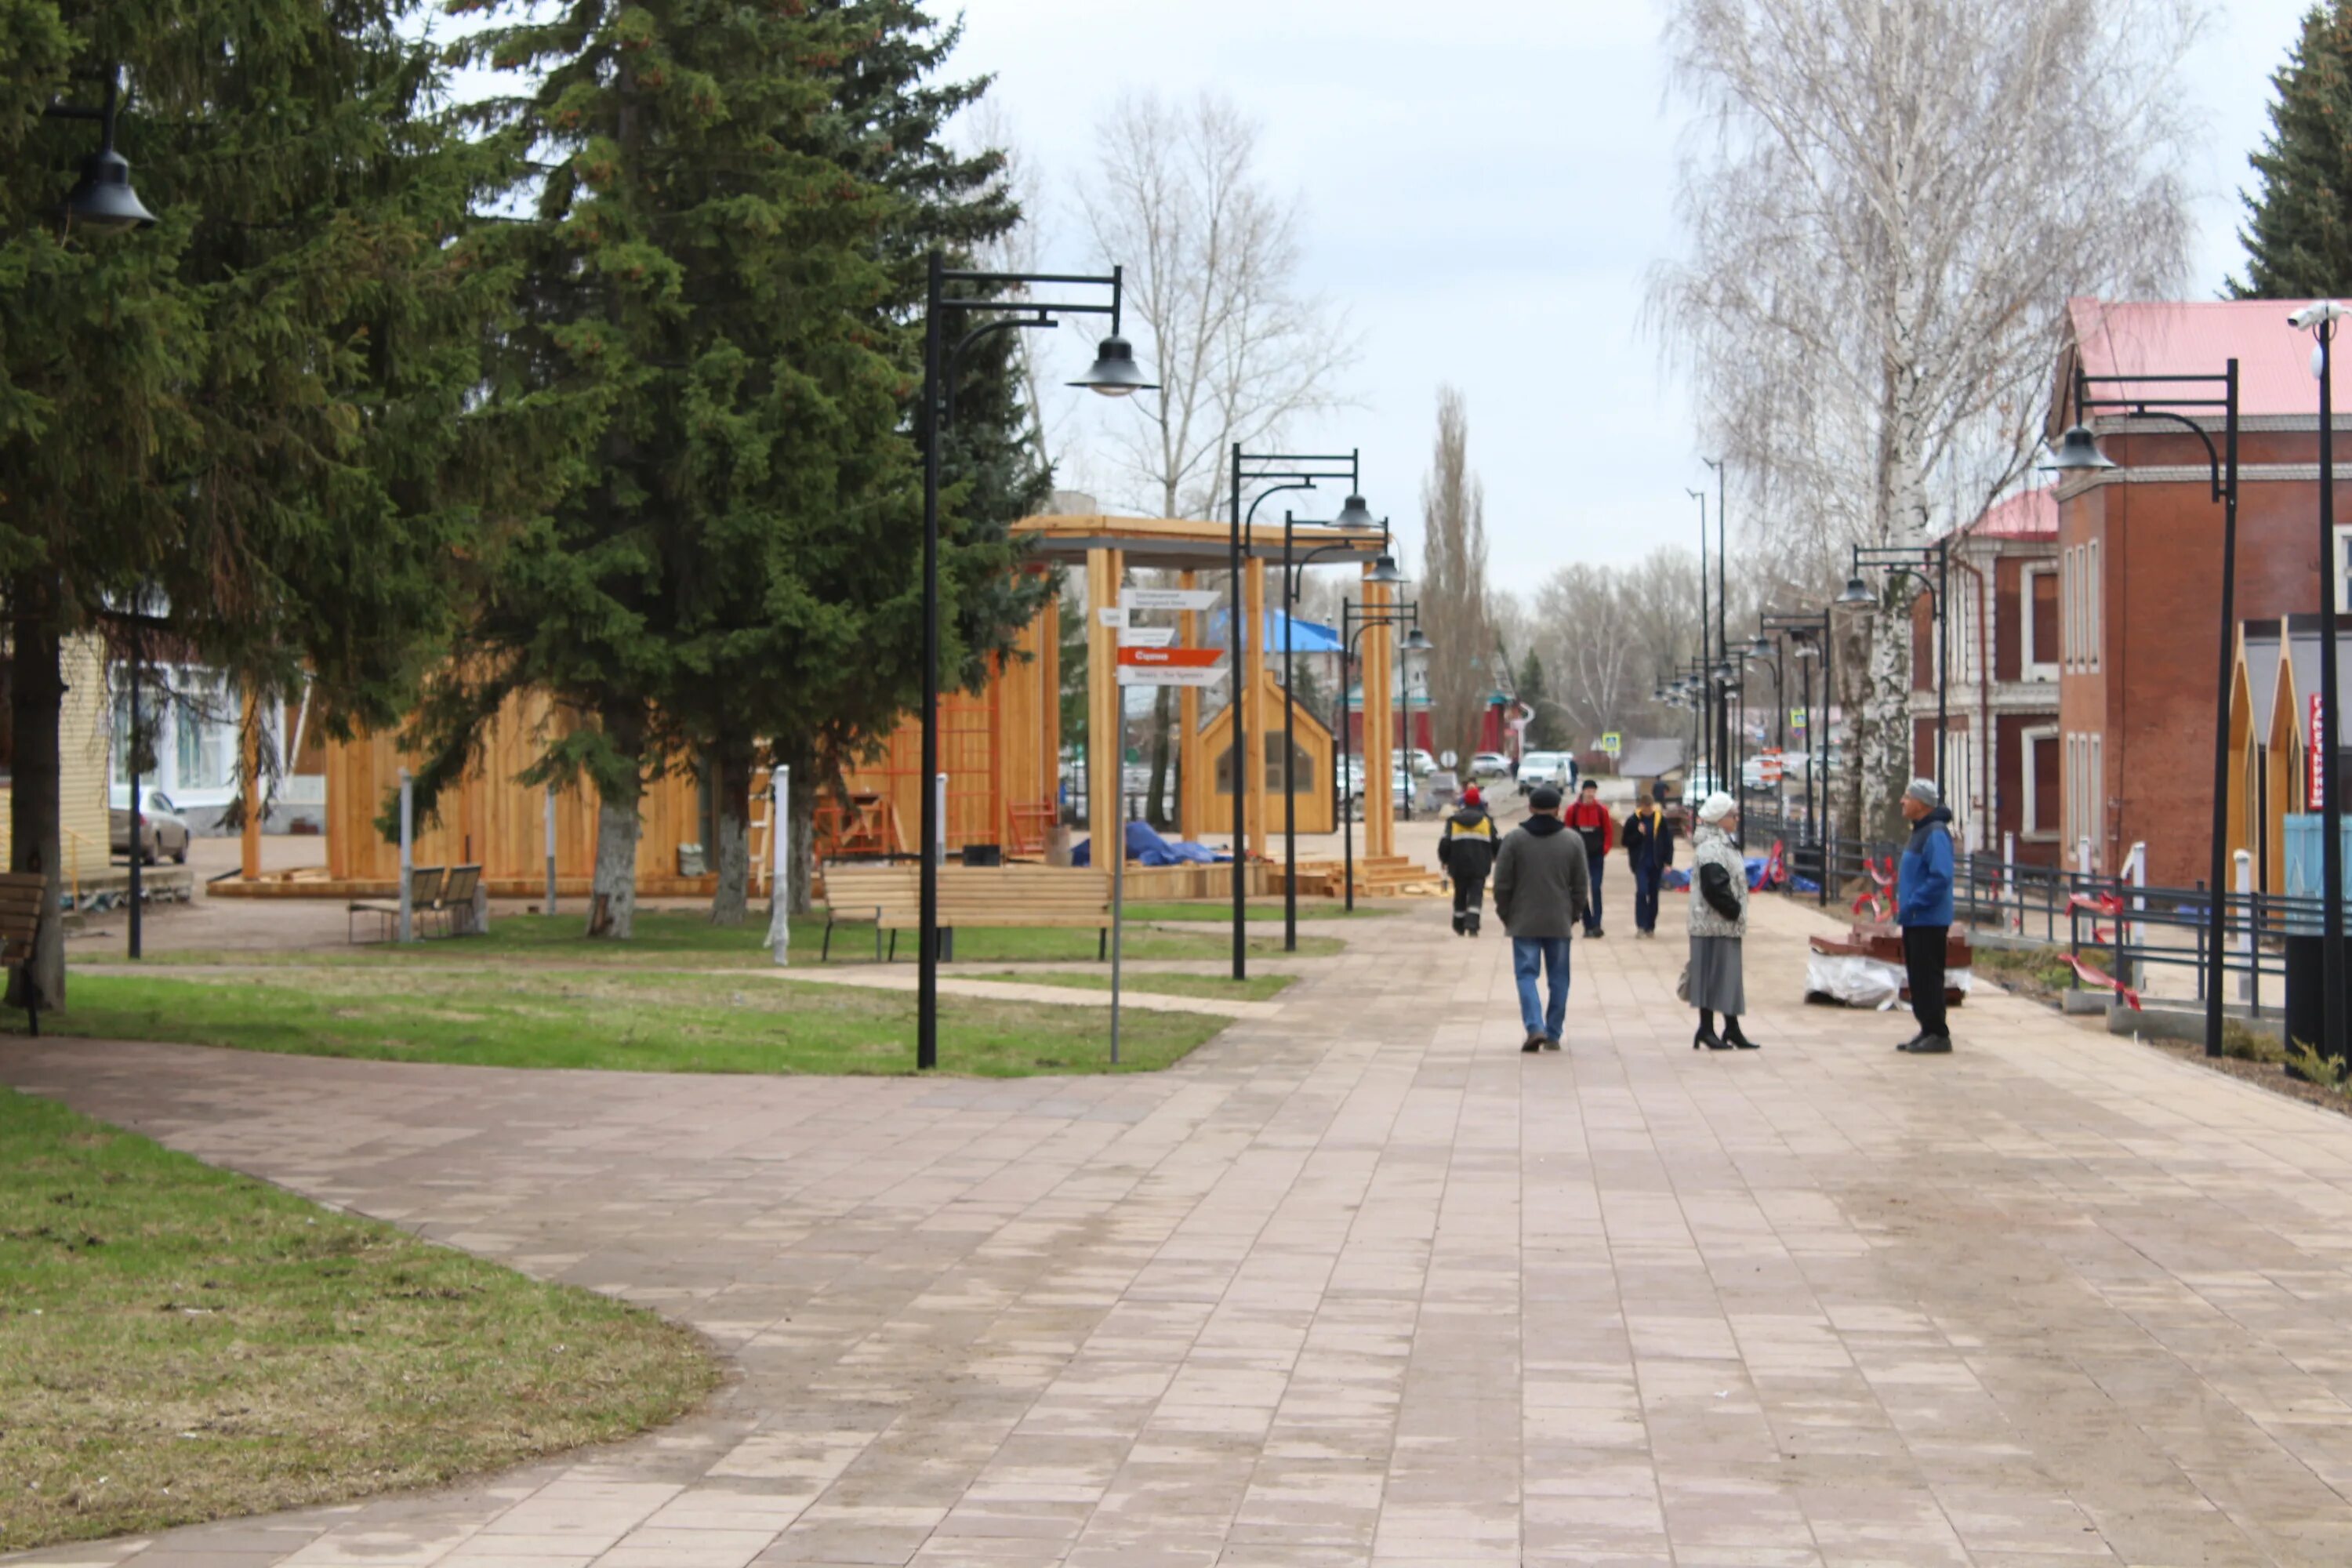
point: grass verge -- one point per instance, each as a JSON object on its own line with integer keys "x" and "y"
{"x": 1256, "y": 988}
{"x": 615, "y": 1020}
{"x": 684, "y": 940}
{"x": 178, "y": 1343}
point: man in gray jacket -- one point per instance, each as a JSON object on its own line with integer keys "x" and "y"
{"x": 1542, "y": 884}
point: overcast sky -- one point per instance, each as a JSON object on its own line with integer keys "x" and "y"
{"x": 1487, "y": 187}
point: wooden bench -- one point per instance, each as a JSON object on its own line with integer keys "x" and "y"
{"x": 22, "y": 894}
{"x": 1066, "y": 897}
{"x": 423, "y": 893}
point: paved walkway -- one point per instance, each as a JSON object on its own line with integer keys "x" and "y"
{"x": 1360, "y": 1283}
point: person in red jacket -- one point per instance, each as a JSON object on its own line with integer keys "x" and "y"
{"x": 1592, "y": 822}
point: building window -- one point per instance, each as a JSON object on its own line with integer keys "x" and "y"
{"x": 2044, "y": 781}
{"x": 2094, "y": 597}
{"x": 2074, "y": 608}
{"x": 2038, "y": 643}
{"x": 2344, "y": 569}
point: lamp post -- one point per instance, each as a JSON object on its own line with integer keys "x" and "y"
{"x": 2320, "y": 321}
{"x": 1915, "y": 561}
{"x": 1114, "y": 373}
{"x": 1810, "y": 634}
{"x": 2078, "y": 453}
{"x": 1278, "y": 472}
{"x": 1705, "y": 645}
{"x": 101, "y": 200}
{"x": 1722, "y": 593}
{"x": 1401, "y": 614}
{"x": 1355, "y": 514}
{"x": 1767, "y": 649}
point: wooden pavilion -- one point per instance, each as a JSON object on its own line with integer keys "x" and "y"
{"x": 1000, "y": 747}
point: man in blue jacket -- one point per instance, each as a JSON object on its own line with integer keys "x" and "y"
{"x": 1923, "y": 905}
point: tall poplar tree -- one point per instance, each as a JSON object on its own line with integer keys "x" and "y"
{"x": 249, "y": 421}
{"x": 2298, "y": 229}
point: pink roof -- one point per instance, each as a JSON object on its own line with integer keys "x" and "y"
{"x": 2199, "y": 337}
{"x": 2029, "y": 514}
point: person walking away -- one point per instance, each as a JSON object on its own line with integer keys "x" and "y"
{"x": 1599, "y": 830}
{"x": 1649, "y": 851}
{"x": 1466, "y": 849}
{"x": 1923, "y": 906}
{"x": 1718, "y": 920}
{"x": 1541, "y": 882}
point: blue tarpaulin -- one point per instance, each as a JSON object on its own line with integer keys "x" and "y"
{"x": 1306, "y": 636}
{"x": 1145, "y": 846}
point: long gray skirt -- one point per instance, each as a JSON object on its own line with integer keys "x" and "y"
{"x": 1715, "y": 982}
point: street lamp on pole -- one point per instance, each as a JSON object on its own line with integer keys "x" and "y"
{"x": 1930, "y": 565}
{"x": 1706, "y": 640}
{"x": 2321, "y": 320}
{"x": 1354, "y": 515}
{"x": 1275, "y": 472}
{"x": 2078, "y": 453}
{"x": 1415, "y": 645}
{"x": 1114, "y": 373}
{"x": 1722, "y": 592}
{"x": 101, "y": 200}
{"x": 1811, "y": 635}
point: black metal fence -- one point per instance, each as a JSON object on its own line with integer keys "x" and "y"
{"x": 2116, "y": 925}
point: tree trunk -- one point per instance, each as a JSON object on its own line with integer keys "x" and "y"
{"x": 800, "y": 820}
{"x": 1164, "y": 709}
{"x": 613, "y": 894}
{"x": 730, "y": 762}
{"x": 36, "y": 693}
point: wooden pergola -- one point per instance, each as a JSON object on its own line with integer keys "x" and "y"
{"x": 1200, "y": 551}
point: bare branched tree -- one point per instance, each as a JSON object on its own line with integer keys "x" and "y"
{"x": 1212, "y": 295}
{"x": 1888, "y": 204}
{"x": 1452, "y": 588}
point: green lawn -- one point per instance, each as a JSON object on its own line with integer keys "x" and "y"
{"x": 1257, "y": 988}
{"x": 686, "y": 940}
{"x": 514, "y": 1017}
{"x": 178, "y": 1344}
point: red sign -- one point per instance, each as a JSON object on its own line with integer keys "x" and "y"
{"x": 2316, "y": 787}
{"x": 1165, "y": 658}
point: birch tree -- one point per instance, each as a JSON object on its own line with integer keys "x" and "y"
{"x": 1215, "y": 307}
{"x": 1886, "y": 205}
{"x": 1452, "y": 588}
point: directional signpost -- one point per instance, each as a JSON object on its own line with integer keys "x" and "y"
{"x": 1171, "y": 666}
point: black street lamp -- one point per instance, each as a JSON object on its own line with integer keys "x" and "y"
{"x": 1915, "y": 561}
{"x": 1706, "y": 641}
{"x": 1722, "y": 598}
{"x": 1278, "y": 472}
{"x": 1401, "y": 614}
{"x": 1355, "y": 514}
{"x": 101, "y": 200}
{"x": 1114, "y": 373}
{"x": 1762, "y": 650}
{"x": 2320, "y": 321}
{"x": 1810, "y": 634}
{"x": 2078, "y": 453}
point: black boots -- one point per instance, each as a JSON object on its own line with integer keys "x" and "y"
{"x": 1706, "y": 1035}
{"x": 1732, "y": 1035}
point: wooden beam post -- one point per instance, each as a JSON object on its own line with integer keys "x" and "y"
{"x": 1191, "y": 782}
{"x": 1106, "y": 757}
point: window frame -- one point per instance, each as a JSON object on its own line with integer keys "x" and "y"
{"x": 2028, "y": 817}
{"x": 2031, "y": 664}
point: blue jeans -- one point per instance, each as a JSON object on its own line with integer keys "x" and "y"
{"x": 1528, "y": 955}
{"x": 1645, "y": 896}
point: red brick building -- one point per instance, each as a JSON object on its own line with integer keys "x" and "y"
{"x": 2003, "y": 749}
{"x": 2139, "y": 563}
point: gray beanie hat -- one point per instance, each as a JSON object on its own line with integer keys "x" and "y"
{"x": 1925, "y": 791}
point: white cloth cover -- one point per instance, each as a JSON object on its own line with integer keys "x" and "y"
{"x": 1860, "y": 982}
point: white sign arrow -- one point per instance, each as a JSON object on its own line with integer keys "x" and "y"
{"x": 1169, "y": 598}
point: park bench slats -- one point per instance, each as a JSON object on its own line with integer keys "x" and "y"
{"x": 1073, "y": 898}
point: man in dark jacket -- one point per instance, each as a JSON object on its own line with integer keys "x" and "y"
{"x": 1923, "y": 906}
{"x": 1540, "y": 886}
{"x": 1650, "y": 850}
{"x": 1465, "y": 847}
{"x": 1599, "y": 830}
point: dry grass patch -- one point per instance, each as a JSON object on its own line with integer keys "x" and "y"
{"x": 179, "y": 1344}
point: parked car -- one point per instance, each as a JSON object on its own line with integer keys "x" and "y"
{"x": 162, "y": 830}
{"x": 1557, "y": 769}
{"x": 1423, "y": 765}
{"x": 1400, "y": 788}
{"x": 1490, "y": 765}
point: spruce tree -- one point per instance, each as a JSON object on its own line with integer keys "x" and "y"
{"x": 250, "y": 421}
{"x": 2298, "y": 230}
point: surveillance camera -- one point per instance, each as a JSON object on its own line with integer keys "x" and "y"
{"x": 2313, "y": 315}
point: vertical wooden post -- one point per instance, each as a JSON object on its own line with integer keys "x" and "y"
{"x": 1104, "y": 755}
{"x": 1049, "y": 699}
{"x": 1253, "y": 697}
{"x": 1192, "y": 782}
{"x": 249, "y": 735}
{"x": 1378, "y": 667}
